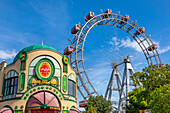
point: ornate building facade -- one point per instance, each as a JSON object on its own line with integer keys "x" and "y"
{"x": 39, "y": 80}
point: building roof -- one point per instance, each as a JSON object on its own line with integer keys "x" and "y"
{"x": 31, "y": 48}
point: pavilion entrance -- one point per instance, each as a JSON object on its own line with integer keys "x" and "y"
{"x": 43, "y": 102}
{"x": 42, "y": 111}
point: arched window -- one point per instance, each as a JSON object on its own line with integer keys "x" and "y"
{"x": 72, "y": 85}
{"x": 10, "y": 83}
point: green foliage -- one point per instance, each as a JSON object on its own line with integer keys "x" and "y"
{"x": 92, "y": 109}
{"x": 131, "y": 109}
{"x": 153, "y": 92}
{"x": 138, "y": 100}
{"x": 160, "y": 100}
{"x": 152, "y": 77}
{"x": 98, "y": 104}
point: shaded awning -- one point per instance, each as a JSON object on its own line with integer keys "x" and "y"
{"x": 43, "y": 99}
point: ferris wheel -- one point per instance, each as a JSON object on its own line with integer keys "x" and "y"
{"x": 80, "y": 32}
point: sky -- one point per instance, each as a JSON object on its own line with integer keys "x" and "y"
{"x": 29, "y": 22}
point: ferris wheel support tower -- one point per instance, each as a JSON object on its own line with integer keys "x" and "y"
{"x": 121, "y": 84}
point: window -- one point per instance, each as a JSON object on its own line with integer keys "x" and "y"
{"x": 71, "y": 88}
{"x": 22, "y": 81}
{"x": 72, "y": 85}
{"x": 23, "y": 65}
{"x": 11, "y": 83}
{"x": 64, "y": 83}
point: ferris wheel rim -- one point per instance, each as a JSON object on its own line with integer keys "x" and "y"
{"x": 102, "y": 19}
{"x": 146, "y": 37}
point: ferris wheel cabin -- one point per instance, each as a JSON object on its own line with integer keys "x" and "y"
{"x": 75, "y": 29}
{"x": 68, "y": 50}
{"x": 152, "y": 47}
{"x": 83, "y": 103}
{"x": 89, "y": 16}
{"x": 107, "y": 13}
{"x": 140, "y": 30}
{"x": 160, "y": 65}
{"x": 124, "y": 19}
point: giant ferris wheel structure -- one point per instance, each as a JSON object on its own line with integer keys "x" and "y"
{"x": 80, "y": 32}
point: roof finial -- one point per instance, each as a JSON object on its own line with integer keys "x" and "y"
{"x": 42, "y": 42}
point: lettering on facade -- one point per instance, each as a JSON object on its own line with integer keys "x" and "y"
{"x": 43, "y": 82}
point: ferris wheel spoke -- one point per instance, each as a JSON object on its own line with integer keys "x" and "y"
{"x": 97, "y": 43}
{"x": 104, "y": 54}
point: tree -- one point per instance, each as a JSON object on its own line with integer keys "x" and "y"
{"x": 152, "y": 77}
{"x": 152, "y": 82}
{"x": 160, "y": 100}
{"x": 138, "y": 100}
{"x": 98, "y": 103}
{"x": 92, "y": 109}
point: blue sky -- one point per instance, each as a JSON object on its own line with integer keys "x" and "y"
{"x": 29, "y": 22}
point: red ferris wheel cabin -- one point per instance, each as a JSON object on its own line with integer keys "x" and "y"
{"x": 75, "y": 29}
{"x": 152, "y": 47}
{"x": 124, "y": 19}
{"x": 68, "y": 50}
{"x": 89, "y": 16}
{"x": 107, "y": 13}
{"x": 83, "y": 103}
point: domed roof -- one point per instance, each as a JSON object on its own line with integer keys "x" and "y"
{"x": 31, "y": 48}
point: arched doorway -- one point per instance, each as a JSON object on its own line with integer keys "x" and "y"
{"x": 43, "y": 102}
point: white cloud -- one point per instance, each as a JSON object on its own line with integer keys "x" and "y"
{"x": 132, "y": 44}
{"x": 89, "y": 69}
{"x": 163, "y": 50}
{"x": 137, "y": 64}
{"x": 131, "y": 56}
{"x": 110, "y": 42}
{"x": 125, "y": 43}
{"x": 116, "y": 41}
{"x": 7, "y": 54}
